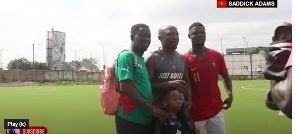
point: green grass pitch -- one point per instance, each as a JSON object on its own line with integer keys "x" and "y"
{"x": 77, "y": 109}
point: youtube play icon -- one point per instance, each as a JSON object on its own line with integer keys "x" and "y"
{"x": 221, "y": 3}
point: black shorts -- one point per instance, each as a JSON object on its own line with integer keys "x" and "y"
{"x": 126, "y": 127}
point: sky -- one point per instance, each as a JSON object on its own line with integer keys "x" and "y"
{"x": 87, "y": 23}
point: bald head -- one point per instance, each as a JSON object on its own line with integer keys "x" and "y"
{"x": 168, "y": 35}
{"x": 165, "y": 29}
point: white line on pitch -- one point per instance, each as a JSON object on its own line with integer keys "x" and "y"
{"x": 281, "y": 113}
{"x": 250, "y": 87}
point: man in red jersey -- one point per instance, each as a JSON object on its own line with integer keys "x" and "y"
{"x": 205, "y": 65}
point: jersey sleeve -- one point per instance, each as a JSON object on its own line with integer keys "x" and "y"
{"x": 289, "y": 63}
{"x": 125, "y": 65}
{"x": 222, "y": 65}
{"x": 158, "y": 126}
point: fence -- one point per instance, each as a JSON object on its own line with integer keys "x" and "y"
{"x": 51, "y": 75}
{"x": 248, "y": 66}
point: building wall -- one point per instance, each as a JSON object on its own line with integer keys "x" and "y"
{"x": 230, "y": 51}
{"x": 241, "y": 64}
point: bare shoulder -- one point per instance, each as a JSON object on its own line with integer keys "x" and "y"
{"x": 150, "y": 58}
{"x": 182, "y": 55}
{"x": 150, "y": 55}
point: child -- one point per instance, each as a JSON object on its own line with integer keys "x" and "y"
{"x": 171, "y": 101}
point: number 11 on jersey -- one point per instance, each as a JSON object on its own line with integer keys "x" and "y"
{"x": 197, "y": 77}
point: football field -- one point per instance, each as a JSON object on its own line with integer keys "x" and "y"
{"x": 77, "y": 109}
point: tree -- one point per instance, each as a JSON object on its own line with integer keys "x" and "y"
{"x": 73, "y": 65}
{"x": 259, "y": 49}
{"x": 25, "y": 65}
{"x": 21, "y": 63}
{"x": 90, "y": 63}
{"x": 67, "y": 66}
{"x": 39, "y": 66}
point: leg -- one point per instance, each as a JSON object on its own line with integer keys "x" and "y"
{"x": 124, "y": 126}
{"x": 127, "y": 127}
{"x": 200, "y": 126}
{"x": 152, "y": 127}
{"x": 141, "y": 129}
{"x": 216, "y": 124}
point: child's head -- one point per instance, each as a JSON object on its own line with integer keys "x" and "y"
{"x": 170, "y": 98}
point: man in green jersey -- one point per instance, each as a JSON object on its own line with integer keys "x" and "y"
{"x": 135, "y": 112}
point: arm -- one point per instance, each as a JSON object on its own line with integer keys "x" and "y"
{"x": 281, "y": 91}
{"x": 125, "y": 65}
{"x": 128, "y": 90}
{"x": 282, "y": 94}
{"x": 158, "y": 127}
{"x": 188, "y": 91}
{"x": 226, "y": 78}
{"x": 227, "y": 83}
{"x": 150, "y": 64}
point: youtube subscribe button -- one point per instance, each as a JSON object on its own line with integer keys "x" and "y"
{"x": 30, "y": 130}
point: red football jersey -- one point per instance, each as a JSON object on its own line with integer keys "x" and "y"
{"x": 204, "y": 73}
{"x": 289, "y": 63}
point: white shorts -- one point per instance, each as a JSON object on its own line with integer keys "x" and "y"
{"x": 214, "y": 125}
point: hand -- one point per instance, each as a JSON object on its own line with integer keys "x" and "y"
{"x": 188, "y": 104}
{"x": 196, "y": 132}
{"x": 178, "y": 84}
{"x": 163, "y": 116}
{"x": 228, "y": 101}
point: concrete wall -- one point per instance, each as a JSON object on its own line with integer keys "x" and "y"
{"x": 72, "y": 75}
{"x": 49, "y": 75}
{"x": 236, "y": 67}
{"x": 241, "y": 64}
